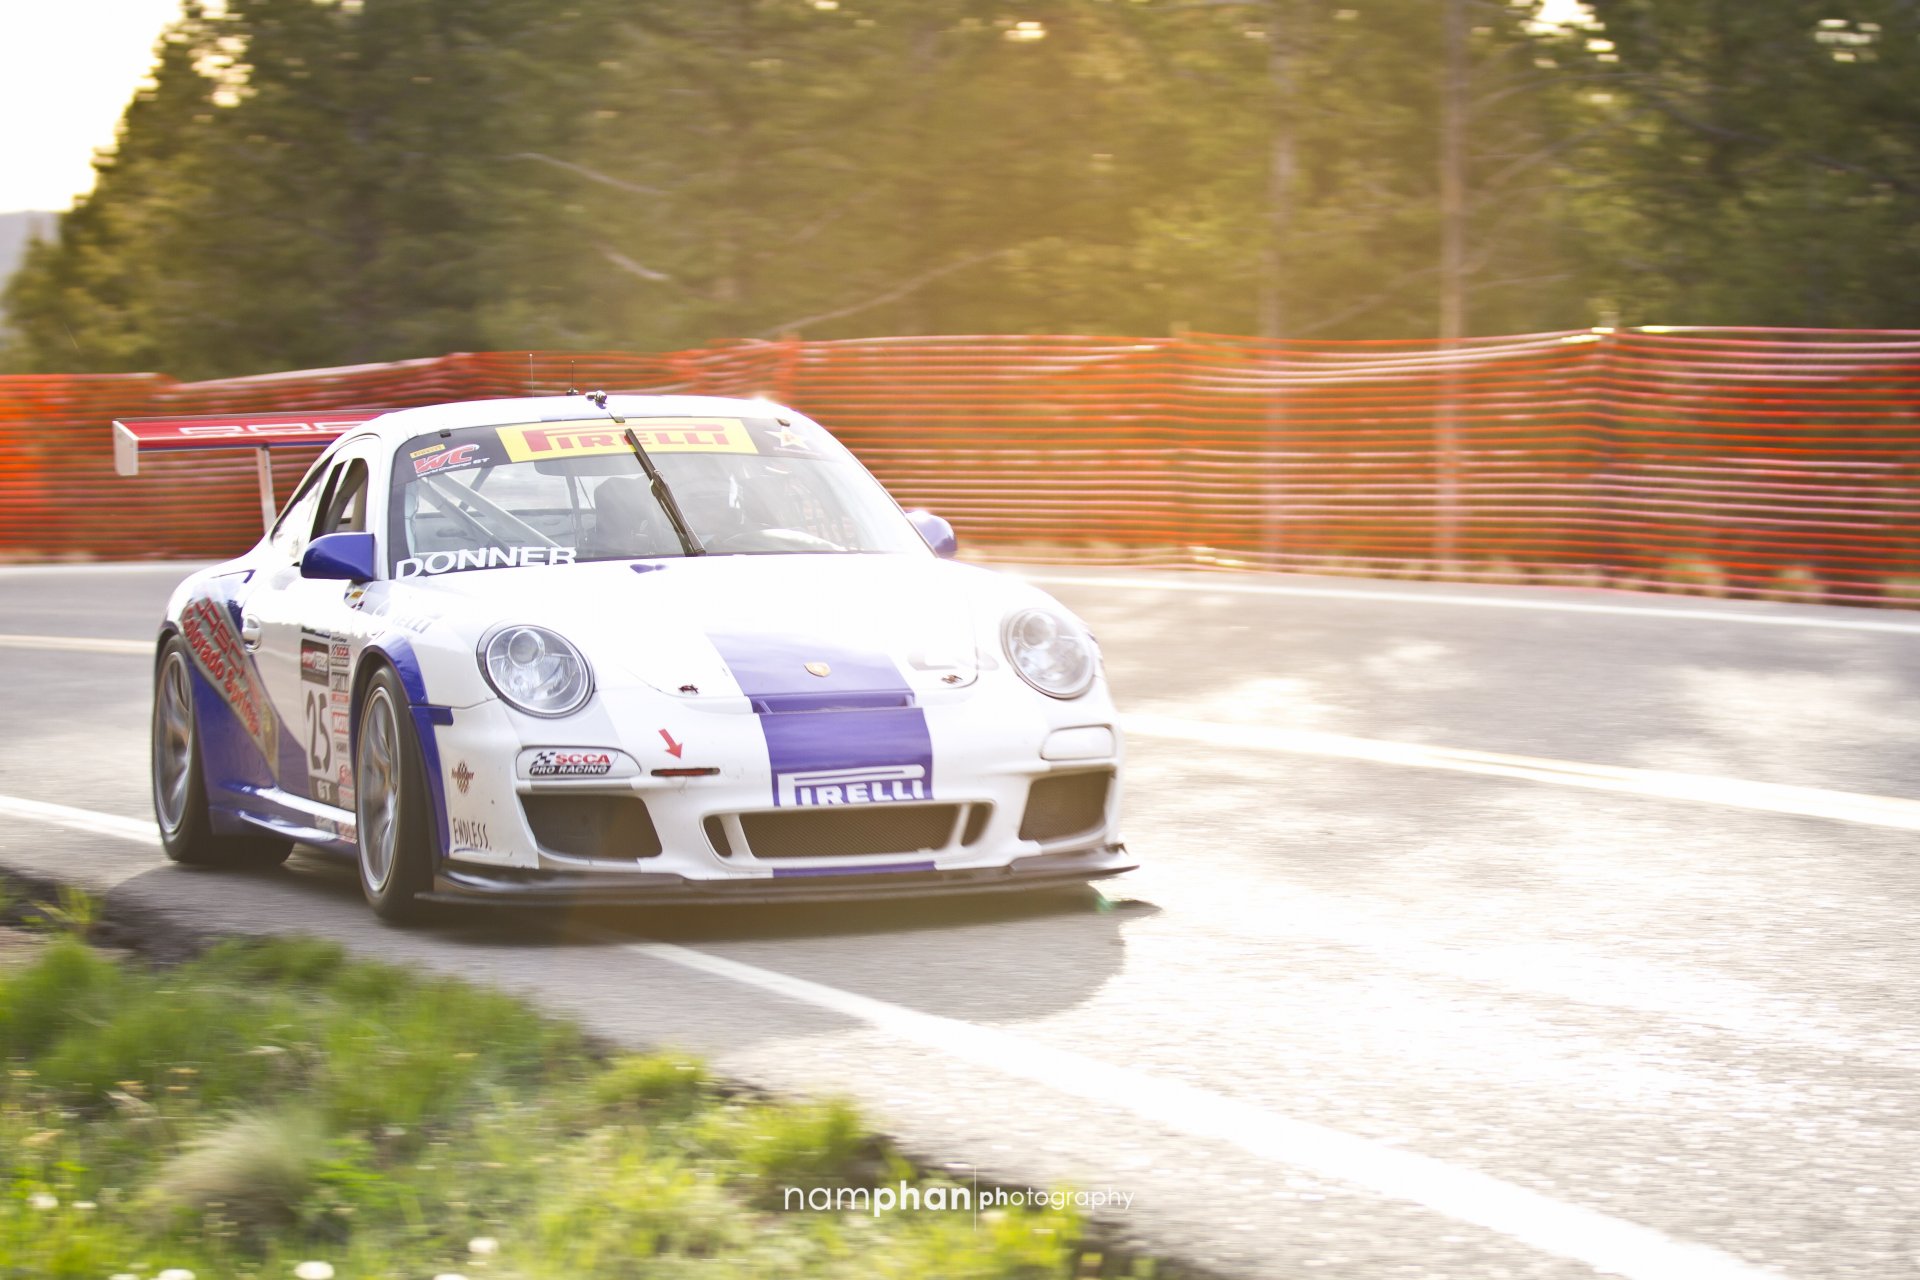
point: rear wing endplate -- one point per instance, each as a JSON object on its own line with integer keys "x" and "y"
{"x": 259, "y": 432}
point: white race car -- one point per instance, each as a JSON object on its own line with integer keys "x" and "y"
{"x": 621, "y": 649}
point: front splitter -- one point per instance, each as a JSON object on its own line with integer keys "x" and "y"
{"x": 642, "y": 888}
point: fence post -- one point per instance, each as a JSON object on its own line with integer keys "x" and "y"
{"x": 263, "y": 471}
{"x": 786, "y": 362}
{"x": 1446, "y": 462}
{"x": 1273, "y": 443}
{"x": 1453, "y": 272}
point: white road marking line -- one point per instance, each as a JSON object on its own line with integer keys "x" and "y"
{"x": 76, "y": 644}
{"x": 1736, "y": 793}
{"x": 1209, "y": 583}
{"x": 177, "y": 568}
{"x": 88, "y": 820}
{"x": 1605, "y": 1243}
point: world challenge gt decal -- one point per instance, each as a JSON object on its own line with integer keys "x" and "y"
{"x": 215, "y": 644}
{"x": 444, "y": 459}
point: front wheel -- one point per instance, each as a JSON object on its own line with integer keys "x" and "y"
{"x": 390, "y": 802}
{"x": 179, "y": 783}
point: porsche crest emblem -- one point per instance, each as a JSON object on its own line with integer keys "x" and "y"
{"x": 819, "y": 669}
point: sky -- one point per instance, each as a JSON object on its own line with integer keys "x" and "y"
{"x": 68, "y": 68}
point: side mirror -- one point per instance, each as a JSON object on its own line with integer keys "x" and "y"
{"x": 937, "y": 532}
{"x": 345, "y": 556}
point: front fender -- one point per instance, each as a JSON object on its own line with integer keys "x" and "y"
{"x": 394, "y": 650}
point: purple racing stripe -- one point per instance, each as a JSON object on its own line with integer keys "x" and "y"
{"x": 773, "y": 672}
{"x": 850, "y": 737}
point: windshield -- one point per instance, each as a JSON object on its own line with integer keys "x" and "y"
{"x": 562, "y": 492}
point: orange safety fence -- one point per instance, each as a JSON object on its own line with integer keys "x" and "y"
{"x": 1783, "y": 463}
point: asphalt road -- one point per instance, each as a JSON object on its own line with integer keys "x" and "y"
{"x": 1413, "y": 1015}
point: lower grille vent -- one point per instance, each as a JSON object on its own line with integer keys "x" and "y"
{"x": 854, "y": 831}
{"x": 616, "y": 828}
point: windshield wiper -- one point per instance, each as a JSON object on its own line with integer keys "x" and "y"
{"x": 664, "y": 495}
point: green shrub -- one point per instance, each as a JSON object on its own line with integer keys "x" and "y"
{"x": 1902, "y": 589}
{"x": 1695, "y": 575}
{"x": 67, "y": 987}
{"x": 297, "y": 961}
{"x": 671, "y": 1080}
{"x": 274, "y": 1102}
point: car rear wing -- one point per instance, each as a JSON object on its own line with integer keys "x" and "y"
{"x": 258, "y": 431}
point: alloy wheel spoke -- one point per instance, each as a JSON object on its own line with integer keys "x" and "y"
{"x": 173, "y": 741}
{"x": 379, "y": 795}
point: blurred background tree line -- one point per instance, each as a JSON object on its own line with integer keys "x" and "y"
{"x": 318, "y": 182}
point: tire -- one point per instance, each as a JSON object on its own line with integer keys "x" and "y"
{"x": 179, "y": 783}
{"x": 391, "y": 804}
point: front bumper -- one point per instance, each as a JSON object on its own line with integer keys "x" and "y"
{"x": 512, "y": 887}
{"x": 969, "y": 822}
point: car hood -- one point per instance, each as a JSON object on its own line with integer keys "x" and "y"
{"x": 722, "y": 626}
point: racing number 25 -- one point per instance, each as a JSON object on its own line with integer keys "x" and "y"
{"x": 319, "y": 740}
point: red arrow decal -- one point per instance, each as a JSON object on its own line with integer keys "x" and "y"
{"x": 673, "y": 748}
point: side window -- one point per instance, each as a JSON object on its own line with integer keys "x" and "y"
{"x": 345, "y": 507}
{"x": 290, "y": 531}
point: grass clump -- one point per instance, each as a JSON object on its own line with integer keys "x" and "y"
{"x": 1797, "y": 582}
{"x": 675, "y": 1081}
{"x": 255, "y": 1169}
{"x": 273, "y": 1103}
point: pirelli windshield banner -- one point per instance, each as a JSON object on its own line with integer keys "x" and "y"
{"x": 657, "y": 435}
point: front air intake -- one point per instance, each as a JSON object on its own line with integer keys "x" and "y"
{"x": 608, "y": 828}
{"x": 855, "y": 831}
{"x": 1065, "y": 805}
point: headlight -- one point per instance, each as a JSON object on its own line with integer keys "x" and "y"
{"x": 535, "y": 670}
{"x": 1051, "y": 654}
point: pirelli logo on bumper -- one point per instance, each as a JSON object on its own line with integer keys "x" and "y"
{"x": 657, "y": 435}
{"x": 878, "y": 785}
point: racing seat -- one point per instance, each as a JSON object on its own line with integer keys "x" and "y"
{"x": 627, "y": 522}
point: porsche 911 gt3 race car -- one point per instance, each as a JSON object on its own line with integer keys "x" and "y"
{"x": 621, "y": 649}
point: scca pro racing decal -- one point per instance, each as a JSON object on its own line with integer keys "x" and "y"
{"x": 325, "y": 662}
{"x": 570, "y": 764}
{"x": 482, "y": 558}
{"x": 215, "y": 644}
{"x": 575, "y": 762}
{"x": 852, "y": 736}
